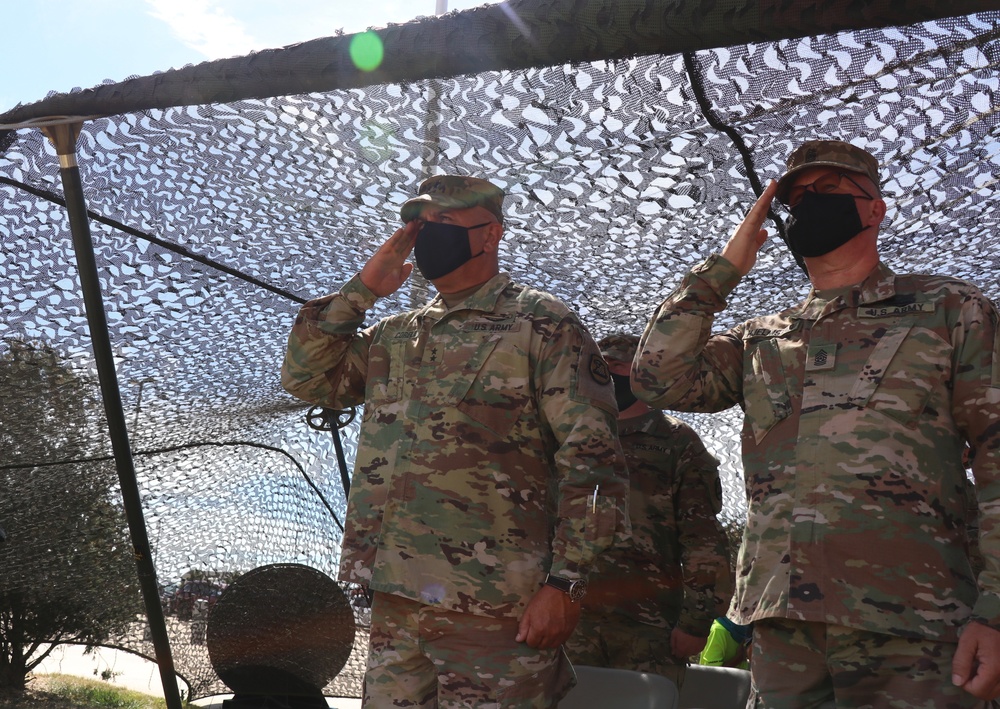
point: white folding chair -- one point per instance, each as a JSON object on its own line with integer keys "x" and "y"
{"x": 707, "y": 687}
{"x": 604, "y": 688}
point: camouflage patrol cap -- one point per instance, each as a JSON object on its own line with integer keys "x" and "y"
{"x": 454, "y": 192}
{"x": 619, "y": 346}
{"x": 830, "y": 153}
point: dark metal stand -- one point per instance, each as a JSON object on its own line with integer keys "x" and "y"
{"x": 320, "y": 418}
{"x": 63, "y": 136}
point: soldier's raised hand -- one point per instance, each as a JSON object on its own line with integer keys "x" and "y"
{"x": 387, "y": 269}
{"x": 742, "y": 247}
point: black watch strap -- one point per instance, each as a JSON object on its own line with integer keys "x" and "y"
{"x": 576, "y": 589}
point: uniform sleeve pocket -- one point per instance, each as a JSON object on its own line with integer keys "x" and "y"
{"x": 602, "y": 521}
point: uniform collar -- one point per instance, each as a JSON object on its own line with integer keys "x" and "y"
{"x": 484, "y": 299}
{"x": 877, "y": 286}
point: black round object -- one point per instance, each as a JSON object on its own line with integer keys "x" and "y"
{"x": 282, "y": 629}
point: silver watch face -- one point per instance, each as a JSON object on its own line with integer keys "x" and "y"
{"x": 577, "y": 590}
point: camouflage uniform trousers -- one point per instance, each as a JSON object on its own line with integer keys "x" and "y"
{"x": 616, "y": 641}
{"x": 800, "y": 665}
{"x": 425, "y": 656}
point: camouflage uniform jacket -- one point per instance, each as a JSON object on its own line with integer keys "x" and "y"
{"x": 675, "y": 571}
{"x": 856, "y": 412}
{"x": 488, "y": 452}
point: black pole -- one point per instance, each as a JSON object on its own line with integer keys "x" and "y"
{"x": 63, "y": 136}
{"x": 345, "y": 477}
{"x": 321, "y": 418}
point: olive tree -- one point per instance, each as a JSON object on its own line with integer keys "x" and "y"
{"x": 68, "y": 574}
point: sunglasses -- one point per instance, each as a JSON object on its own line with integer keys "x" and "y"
{"x": 830, "y": 182}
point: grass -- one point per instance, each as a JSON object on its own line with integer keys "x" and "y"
{"x": 57, "y": 691}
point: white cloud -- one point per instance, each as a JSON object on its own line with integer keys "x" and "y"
{"x": 204, "y": 27}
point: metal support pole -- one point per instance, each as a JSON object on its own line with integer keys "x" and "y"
{"x": 432, "y": 131}
{"x": 419, "y": 288}
{"x": 63, "y": 136}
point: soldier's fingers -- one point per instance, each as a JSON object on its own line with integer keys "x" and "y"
{"x": 985, "y": 680}
{"x": 523, "y": 628}
{"x": 758, "y": 212}
{"x": 408, "y": 234}
{"x": 400, "y": 244}
{"x": 961, "y": 664}
{"x": 402, "y": 240}
{"x": 534, "y": 640}
{"x": 981, "y": 688}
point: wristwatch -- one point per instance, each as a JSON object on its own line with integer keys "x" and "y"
{"x": 575, "y": 589}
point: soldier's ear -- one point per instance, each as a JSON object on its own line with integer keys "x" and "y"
{"x": 494, "y": 234}
{"x": 875, "y": 213}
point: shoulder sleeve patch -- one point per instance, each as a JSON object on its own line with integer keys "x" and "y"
{"x": 592, "y": 378}
{"x": 599, "y": 369}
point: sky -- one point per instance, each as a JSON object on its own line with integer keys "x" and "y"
{"x": 59, "y": 45}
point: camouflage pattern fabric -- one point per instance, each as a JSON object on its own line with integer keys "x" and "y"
{"x": 827, "y": 153}
{"x": 488, "y": 452}
{"x": 674, "y": 572}
{"x": 857, "y": 411}
{"x": 798, "y": 664}
{"x": 609, "y": 640}
{"x": 454, "y": 192}
{"x": 972, "y": 528}
{"x": 441, "y": 658}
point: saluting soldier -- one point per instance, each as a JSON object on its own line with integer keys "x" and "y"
{"x": 858, "y": 404}
{"x": 488, "y": 475}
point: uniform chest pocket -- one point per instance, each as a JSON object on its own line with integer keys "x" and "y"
{"x": 765, "y": 390}
{"x": 494, "y": 386}
{"x": 902, "y": 372}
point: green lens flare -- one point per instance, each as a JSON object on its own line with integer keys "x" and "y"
{"x": 367, "y": 51}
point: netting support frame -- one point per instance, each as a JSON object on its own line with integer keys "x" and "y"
{"x": 63, "y": 135}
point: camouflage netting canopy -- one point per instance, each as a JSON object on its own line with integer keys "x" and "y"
{"x": 630, "y": 135}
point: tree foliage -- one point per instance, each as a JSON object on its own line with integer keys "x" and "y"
{"x": 68, "y": 570}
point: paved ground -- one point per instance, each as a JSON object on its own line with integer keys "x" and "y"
{"x": 123, "y": 669}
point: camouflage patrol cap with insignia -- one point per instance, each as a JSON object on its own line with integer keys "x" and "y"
{"x": 827, "y": 153}
{"x": 454, "y": 192}
{"x": 619, "y": 346}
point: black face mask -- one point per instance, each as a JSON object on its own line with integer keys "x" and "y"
{"x": 821, "y": 223}
{"x": 442, "y": 248}
{"x": 623, "y": 391}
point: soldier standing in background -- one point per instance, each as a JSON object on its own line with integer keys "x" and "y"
{"x": 858, "y": 405}
{"x": 652, "y": 600}
{"x": 488, "y": 475}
